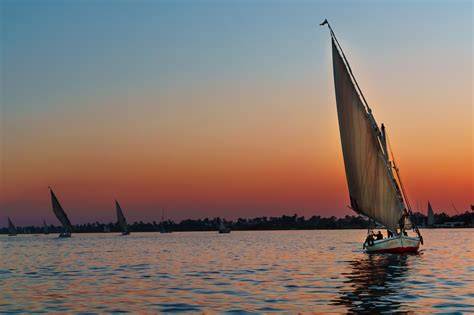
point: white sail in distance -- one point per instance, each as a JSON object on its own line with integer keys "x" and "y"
{"x": 60, "y": 214}
{"x": 431, "y": 220}
{"x": 372, "y": 187}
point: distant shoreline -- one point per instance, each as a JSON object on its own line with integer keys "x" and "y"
{"x": 249, "y": 230}
{"x": 282, "y": 223}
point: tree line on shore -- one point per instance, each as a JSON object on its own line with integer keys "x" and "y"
{"x": 284, "y": 222}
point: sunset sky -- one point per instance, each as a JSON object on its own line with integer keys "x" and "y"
{"x": 224, "y": 108}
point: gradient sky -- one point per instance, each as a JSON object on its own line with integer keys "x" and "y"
{"x": 224, "y": 108}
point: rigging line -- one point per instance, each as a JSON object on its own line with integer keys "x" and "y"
{"x": 361, "y": 94}
{"x": 349, "y": 68}
{"x": 405, "y": 196}
{"x": 358, "y": 89}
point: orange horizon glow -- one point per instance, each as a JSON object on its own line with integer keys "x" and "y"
{"x": 225, "y": 118}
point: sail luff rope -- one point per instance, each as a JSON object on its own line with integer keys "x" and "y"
{"x": 405, "y": 196}
{"x": 379, "y": 134}
{"x": 349, "y": 68}
{"x": 359, "y": 91}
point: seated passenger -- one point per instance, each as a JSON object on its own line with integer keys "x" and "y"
{"x": 379, "y": 235}
{"x": 389, "y": 234}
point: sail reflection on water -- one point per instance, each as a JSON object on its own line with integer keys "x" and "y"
{"x": 374, "y": 282}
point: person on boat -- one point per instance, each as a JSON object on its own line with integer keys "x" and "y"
{"x": 369, "y": 241}
{"x": 389, "y": 234}
{"x": 379, "y": 235}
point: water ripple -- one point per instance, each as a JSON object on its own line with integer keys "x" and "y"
{"x": 244, "y": 273}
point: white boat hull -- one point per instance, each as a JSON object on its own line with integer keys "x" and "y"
{"x": 395, "y": 244}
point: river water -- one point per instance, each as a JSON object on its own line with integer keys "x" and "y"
{"x": 241, "y": 272}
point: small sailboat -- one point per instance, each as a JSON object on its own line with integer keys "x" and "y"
{"x": 431, "y": 220}
{"x": 61, "y": 215}
{"x": 11, "y": 228}
{"x": 223, "y": 229}
{"x": 45, "y": 228}
{"x": 375, "y": 190}
{"x": 163, "y": 229}
{"x": 122, "y": 222}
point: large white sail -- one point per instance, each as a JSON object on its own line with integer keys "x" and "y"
{"x": 121, "y": 218}
{"x": 60, "y": 214}
{"x": 372, "y": 189}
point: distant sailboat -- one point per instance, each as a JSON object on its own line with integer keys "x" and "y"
{"x": 122, "y": 222}
{"x": 61, "y": 215}
{"x": 374, "y": 190}
{"x": 45, "y": 228}
{"x": 223, "y": 229}
{"x": 163, "y": 229}
{"x": 11, "y": 228}
{"x": 431, "y": 220}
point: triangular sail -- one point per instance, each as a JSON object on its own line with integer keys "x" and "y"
{"x": 122, "y": 222}
{"x": 371, "y": 187}
{"x": 60, "y": 214}
{"x": 430, "y": 215}
{"x": 11, "y": 227}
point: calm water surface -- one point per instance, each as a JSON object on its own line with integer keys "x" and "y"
{"x": 253, "y": 272}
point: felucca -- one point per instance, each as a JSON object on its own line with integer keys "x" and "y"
{"x": 45, "y": 228}
{"x": 223, "y": 229}
{"x": 61, "y": 215}
{"x": 163, "y": 229}
{"x": 122, "y": 222}
{"x": 11, "y": 228}
{"x": 375, "y": 190}
{"x": 431, "y": 220}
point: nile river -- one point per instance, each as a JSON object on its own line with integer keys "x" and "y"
{"x": 241, "y": 272}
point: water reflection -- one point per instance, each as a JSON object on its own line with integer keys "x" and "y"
{"x": 374, "y": 282}
{"x": 254, "y": 272}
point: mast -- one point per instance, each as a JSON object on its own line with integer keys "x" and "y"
{"x": 373, "y": 188}
{"x": 163, "y": 220}
{"x": 379, "y": 132}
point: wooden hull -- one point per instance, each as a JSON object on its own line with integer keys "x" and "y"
{"x": 396, "y": 244}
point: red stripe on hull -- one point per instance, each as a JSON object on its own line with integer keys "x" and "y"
{"x": 397, "y": 250}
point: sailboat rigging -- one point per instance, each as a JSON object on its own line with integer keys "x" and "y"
{"x": 11, "y": 228}
{"x": 163, "y": 229}
{"x": 223, "y": 228}
{"x": 374, "y": 189}
{"x": 122, "y": 222}
{"x": 61, "y": 215}
{"x": 45, "y": 228}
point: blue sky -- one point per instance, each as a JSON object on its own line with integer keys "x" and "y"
{"x": 116, "y": 94}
